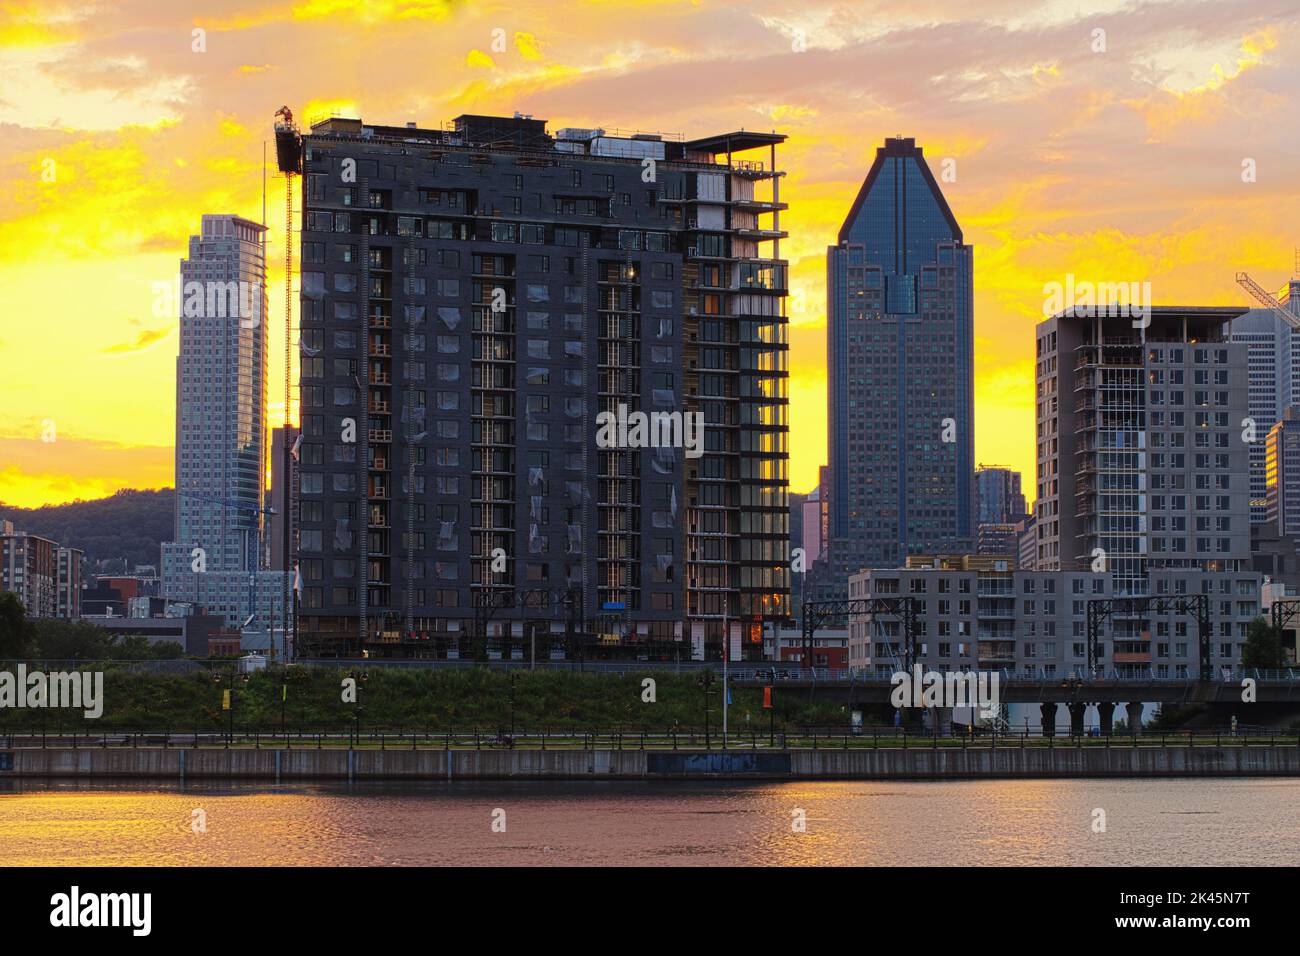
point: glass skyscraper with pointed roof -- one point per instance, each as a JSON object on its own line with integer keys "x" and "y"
{"x": 900, "y": 330}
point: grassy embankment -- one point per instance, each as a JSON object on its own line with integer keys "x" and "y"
{"x": 439, "y": 699}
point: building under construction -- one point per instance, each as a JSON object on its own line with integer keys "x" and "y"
{"x": 472, "y": 300}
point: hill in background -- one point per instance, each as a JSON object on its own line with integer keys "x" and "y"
{"x": 128, "y": 526}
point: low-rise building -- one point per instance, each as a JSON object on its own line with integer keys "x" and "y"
{"x": 830, "y": 647}
{"x": 45, "y": 576}
{"x": 192, "y": 632}
{"x": 976, "y": 613}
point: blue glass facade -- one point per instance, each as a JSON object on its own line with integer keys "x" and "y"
{"x": 900, "y": 334}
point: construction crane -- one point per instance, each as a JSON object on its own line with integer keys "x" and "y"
{"x": 289, "y": 154}
{"x": 1267, "y": 299}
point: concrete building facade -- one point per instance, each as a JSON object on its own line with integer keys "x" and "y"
{"x": 979, "y": 613}
{"x": 29, "y": 567}
{"x": 67, "y": 584}
{"x": 1141, "y": 463}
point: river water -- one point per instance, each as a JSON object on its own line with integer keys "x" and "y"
{"x": 1183, "y": 822}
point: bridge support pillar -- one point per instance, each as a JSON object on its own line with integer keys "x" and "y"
{"x": 1106, "y": 717}
{"x": 1048, "y": 712}
{"x": 1077, "y": 710}
{"x": 941, "y": 720}
{"x": 1134, "y": 710}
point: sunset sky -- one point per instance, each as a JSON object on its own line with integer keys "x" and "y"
{"x": 1122, "y": 163}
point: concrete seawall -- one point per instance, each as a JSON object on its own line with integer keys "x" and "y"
{"x": 864, "y": 764}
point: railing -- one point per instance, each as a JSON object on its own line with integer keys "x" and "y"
{"x": 737, "y": 670}
{"x": 753, "y": 737}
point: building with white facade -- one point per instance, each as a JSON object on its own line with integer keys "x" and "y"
{"x": 216, "y": 559}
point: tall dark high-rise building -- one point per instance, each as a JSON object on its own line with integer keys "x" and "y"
{"x": 475, "y": 302}
{"x": 900, "y": 346}
{"x": 999, "y": 506}
{"x": 998, "y": 493}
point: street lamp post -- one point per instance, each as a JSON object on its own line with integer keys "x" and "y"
{"x": 1072, "y": 684}
{"x": 284, "y": 698}
{"x": 216, "y": 682}
{"x": 512, "y": 707}
{"x": 244, "y": 678}
{"x": 706, "y": 682}
{"x": 358, "y": 680}
{"x": 771, "y": 711}
{"x": 726, "y": 686}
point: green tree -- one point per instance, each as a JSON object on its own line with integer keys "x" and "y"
{"x": 137, "y": 647}
{"x": 1174, "y": 716}
{"x": 15, "y": 628}
{"x": 70, "y": 641}
{"x": 1263, "y": 647}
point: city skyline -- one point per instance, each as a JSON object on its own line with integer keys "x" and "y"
{"x": 117, "y": 151}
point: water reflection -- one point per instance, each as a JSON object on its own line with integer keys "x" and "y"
{"x": 983, "y": 823}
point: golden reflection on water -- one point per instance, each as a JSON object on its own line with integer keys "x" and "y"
{"x": 988, "y": 823}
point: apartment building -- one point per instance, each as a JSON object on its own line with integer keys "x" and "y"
{"x": 67, "y": 584}
{"x": 475, "y": 301}
{"x": 45, "y": 576}
{"x": 980, "y": 613}
{"x": 1143, "y": 469}
{"x": 29, "y": 567}
{"x": 1141, "y": 462}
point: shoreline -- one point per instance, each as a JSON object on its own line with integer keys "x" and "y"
{"x": 289, "y": 765}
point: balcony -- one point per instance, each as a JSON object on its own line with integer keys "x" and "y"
{"x": 760, "y": 205}
{"x": 761, "y": 235}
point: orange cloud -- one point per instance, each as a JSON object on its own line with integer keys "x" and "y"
{"x": 1109, "y": 166}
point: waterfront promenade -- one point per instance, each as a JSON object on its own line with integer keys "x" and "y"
{"x": 392, "y": 757}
